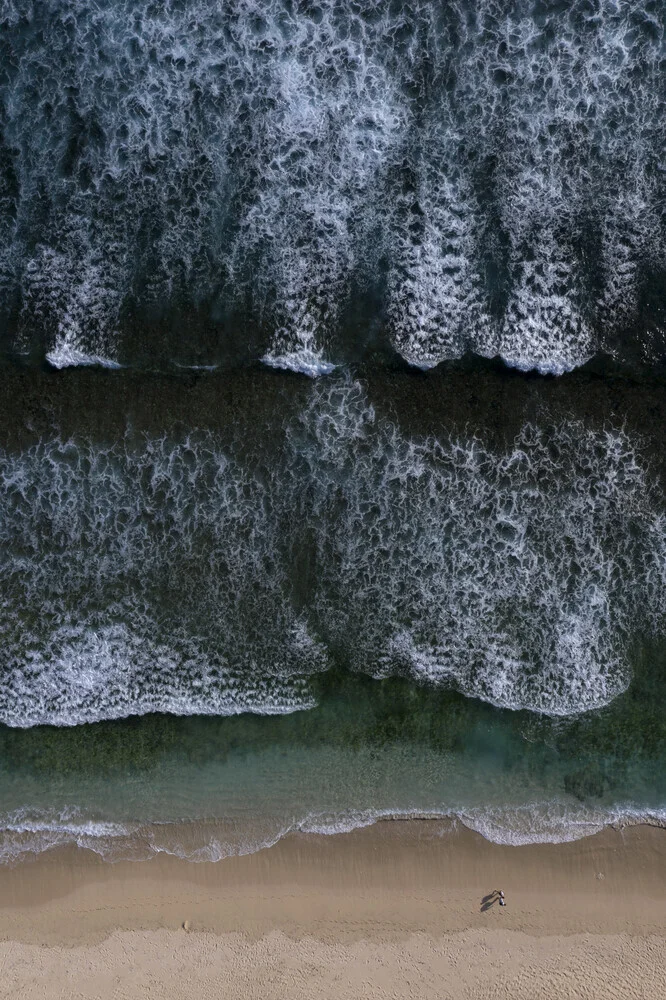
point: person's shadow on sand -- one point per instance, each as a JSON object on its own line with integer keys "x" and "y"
{"x": 489, "y": 900}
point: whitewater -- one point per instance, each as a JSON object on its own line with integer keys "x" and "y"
{"x": 204, "y": 183}
{"x": 332, "y": 348}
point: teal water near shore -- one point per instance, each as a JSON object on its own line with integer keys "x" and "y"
{"x": 205, "y": 788}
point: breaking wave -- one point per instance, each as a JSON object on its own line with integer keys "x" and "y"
{"x": 187, "y": 576}
{"x": 143, "y": 579}
{"x": 185, "y": 182}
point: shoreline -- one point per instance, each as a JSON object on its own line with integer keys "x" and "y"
{"x": 550, "y": 888}
{"x": 201, "y": 841}
{"x": 396, "y": 909}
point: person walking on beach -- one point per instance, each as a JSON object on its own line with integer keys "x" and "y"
{"x": 497, "y": 895}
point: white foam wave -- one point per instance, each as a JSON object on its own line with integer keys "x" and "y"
{"x": 305, "y": 361}
{"x": 28, "y": 833}
{"x": 64, "y": 355}
{"x": 556, "y": 822}
{"x": 143, "y": 578}
{"x": 77, "y": 299}
{"x": 494, "y": 171}
{"x": 165, "y": 575}
{"x": 503, "y": 574}
{"x": 436, "y": 309}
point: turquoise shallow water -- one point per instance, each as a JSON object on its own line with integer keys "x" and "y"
{"x": 205, "y": 788}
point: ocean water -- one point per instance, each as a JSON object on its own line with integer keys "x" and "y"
{"x": 193, "y": 182}
{"x": 332, "y": 347}
{"x": 235, "y": 606}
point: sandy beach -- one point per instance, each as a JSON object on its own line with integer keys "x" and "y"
{"x": 394, "y": 910}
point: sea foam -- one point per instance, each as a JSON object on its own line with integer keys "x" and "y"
{"x": 185, "y": 576}
{"x": 482, "y": 177}
{"x": 502, "y": 574}
{"x": 28, "y": 832}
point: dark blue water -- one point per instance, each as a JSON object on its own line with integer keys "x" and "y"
{"x": 197, "y": 183}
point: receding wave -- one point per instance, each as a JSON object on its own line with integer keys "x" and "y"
{"x": 29, "y": 832}
{"x": 187, "y": 575}
{"x": 190, "y": 182}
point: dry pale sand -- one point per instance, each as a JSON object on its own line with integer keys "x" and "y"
{"x": 391, "y": 911}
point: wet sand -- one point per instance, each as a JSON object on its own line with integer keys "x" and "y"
{"x": 394, "y": 910}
